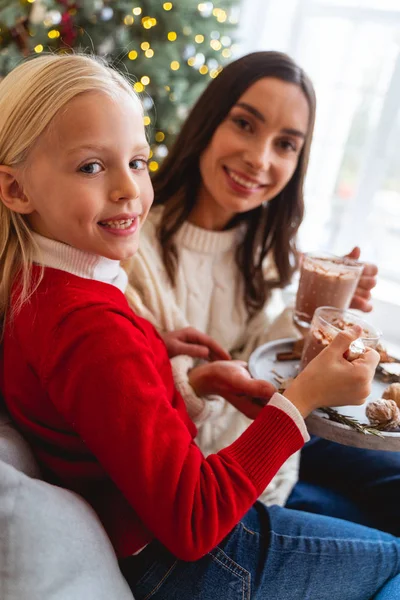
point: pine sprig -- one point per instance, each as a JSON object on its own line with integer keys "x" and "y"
{"x": 334, "y": 415}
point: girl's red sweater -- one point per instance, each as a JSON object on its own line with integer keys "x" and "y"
{"x": 90, "y": 386}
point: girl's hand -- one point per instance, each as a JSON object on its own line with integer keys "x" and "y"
{"x": 232, "y": 381}
{"x": 362, "y": 295}
{"x": 191, "y": 342}
{"x": 331, "y": 380}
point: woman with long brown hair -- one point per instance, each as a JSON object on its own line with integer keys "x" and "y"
{"x": 216, "y": 251}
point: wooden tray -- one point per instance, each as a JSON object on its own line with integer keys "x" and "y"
{"x": 263, "y": 363}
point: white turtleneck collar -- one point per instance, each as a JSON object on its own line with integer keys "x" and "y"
{"x": 78, "y": 262}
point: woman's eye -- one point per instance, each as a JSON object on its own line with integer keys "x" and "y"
{"x": 139, "y": 164}
{"x": 91, "y": 168}
{"x": 288, "y": 145}
{"x": 243, "y": 124}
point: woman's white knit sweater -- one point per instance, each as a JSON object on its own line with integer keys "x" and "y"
{"x": 208, "y": 295}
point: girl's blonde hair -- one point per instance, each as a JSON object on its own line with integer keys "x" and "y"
{"x": 30, "y": 97}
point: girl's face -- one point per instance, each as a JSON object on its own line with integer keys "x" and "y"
{"x": 253, "y": 152}
{"x": 87, "y": 179}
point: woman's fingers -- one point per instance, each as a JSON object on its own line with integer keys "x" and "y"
{"x": 195, "y": 338}
{"x": 254, "y": 388}
{"x": 192, "y": 350}
{"x": 360, "y": 303}
{"x": 366, "y": 283}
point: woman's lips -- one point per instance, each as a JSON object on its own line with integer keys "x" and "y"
{"x": 242, "y": 184}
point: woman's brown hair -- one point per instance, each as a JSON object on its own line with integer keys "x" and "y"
{"x": 268, "y": 228}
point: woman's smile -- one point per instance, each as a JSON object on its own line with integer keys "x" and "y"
{"x": 241, "y": 182}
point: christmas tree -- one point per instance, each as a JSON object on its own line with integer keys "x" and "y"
{"x": 171, "y": 49}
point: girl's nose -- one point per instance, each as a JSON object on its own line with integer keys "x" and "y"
{"x": 125, "y": 188}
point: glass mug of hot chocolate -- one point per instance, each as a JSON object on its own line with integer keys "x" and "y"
{"x": 326, "y": 324}
{"x": 325, "y": 280}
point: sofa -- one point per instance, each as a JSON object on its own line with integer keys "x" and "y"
{"x": 52, "y": 544}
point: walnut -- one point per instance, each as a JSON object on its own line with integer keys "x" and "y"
{"x": 383, "y": 413}
{"x": 392, "y": 392}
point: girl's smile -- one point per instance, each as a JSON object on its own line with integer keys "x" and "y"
{"x": 121, "y": 224}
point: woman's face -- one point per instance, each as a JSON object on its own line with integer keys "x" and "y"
{"x": 253, "y": 152}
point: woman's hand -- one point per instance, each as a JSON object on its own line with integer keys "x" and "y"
{"x": 331, "y": 380}
{"x": 232, "y": 381}
{"x": 191, "y": 342}
{"x": 367, "y": 281}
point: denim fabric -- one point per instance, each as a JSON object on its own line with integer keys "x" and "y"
{"x": 362, "y": 486}
{"x": 275, "y": 554}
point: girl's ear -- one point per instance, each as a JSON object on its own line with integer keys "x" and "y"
{"x": 11, "y": 191}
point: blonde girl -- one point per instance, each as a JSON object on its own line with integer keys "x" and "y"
{"x": 90, "y": 385}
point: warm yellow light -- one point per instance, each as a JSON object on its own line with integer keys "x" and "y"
{"x": 201, "y": 6}
{"x": 191, "y": 61}
{"x": 214, "y": 73}
{"x": 31, "y": 1}
{"x": 215, "y": 45}
{"x": 145, "y": 80}
{"x": 153, "y": 165}
{"x": 137, "y": 10}
{"x": 145, "y": 45}
{"x": 221, "y": 17}
{"x": 149, "y": 22}
{"x": 38, "y": 48}
{"x": 138, "y": 87}
{"x": 149, "y": 53}
{"x": 226, "y": 53}
{"x": 199, "y": 39}
{"x": 172, "y": 36}
{"x": 203, "y": 70}
{"x": 146, "y": 121}
{"x": 160, "y": 136}
{"x": 175, "y": 65}
{"x": 129, "y": 20}
{"x": 167, "y": 88}
{"x": 53, "y": 34}
{"x": 167, "y": 5}
{"x": 132, "y": 55}
{"x": 151, "y": 154}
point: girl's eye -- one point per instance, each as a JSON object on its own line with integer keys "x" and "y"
{"x": 91, "y": 168}
{"x": 242, "y": 123}
{"x": 138, "y": 164}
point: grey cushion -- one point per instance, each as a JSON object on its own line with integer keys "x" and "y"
{"x": 13, "y": 448}
{"x": 52, "y": 544}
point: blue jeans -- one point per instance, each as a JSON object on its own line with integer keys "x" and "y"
{"x": 275, "y": 554}
{"x": 358, "y": 485}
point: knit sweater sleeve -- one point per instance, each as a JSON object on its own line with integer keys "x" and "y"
{"x": 152, "y": 298}
{"x": 114, "y": 388}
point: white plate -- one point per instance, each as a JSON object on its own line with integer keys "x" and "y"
{"x": 263, "y": 362}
